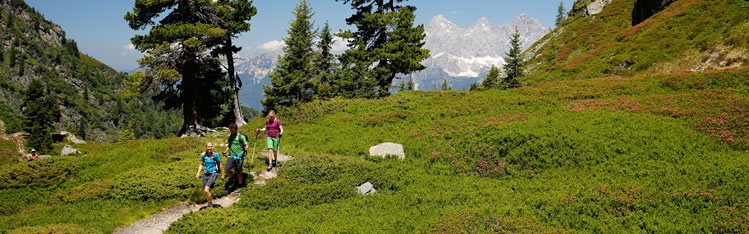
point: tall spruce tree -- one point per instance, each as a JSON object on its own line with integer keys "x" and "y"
{"x": 235, "y": 16}
{"x": 492, "y": 79}
{"x": 561, "y": 15}
{"x": 446, "y": 86}
{"x": 325, "y": 64}
{"x": 514, "y": 63}
{"x": 40, "y": 111}
{"x": 177, "y": 61}
{"x": 292, "y": 79}
{"x": 385, "y": 43}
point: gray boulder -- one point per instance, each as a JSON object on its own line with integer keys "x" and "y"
{"x": 588, "y": 7}
{"x": 71, "y": 137}
{"x": 366, "y": 188}
{"x": 387, "y": 148}
{"x": 69, "y": 150}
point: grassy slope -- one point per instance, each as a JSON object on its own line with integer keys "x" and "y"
{"x": 681, "y": 37}
{"x": 641, "y": 153}
{"x": 530, "y": 159}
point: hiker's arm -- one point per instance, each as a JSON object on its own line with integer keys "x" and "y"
{"x": 222, "y": 171}
{"x": 227, "y": 149}
{"x": 197, "y": 175}
{"x": 281, "y": 128}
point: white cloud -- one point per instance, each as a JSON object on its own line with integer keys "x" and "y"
{"x": 127, "y": 48}
{"x": 272, "y": 45}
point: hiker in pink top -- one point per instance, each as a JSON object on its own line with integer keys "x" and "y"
{"x": 273, "y": 137}
{"x": 33, "y": 154}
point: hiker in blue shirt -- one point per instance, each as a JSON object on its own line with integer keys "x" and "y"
{"x": 236, "y": 148}
{"x": 210, "y": 163}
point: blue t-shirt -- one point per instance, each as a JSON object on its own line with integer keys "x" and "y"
{"x": 211, "y": 163}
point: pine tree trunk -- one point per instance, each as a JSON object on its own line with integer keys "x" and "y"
{"x": 236, "y": 106}
{"x": 189, "y": 103}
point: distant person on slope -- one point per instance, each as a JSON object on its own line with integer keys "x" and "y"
{"x": 273, "y": 137}
{"x": 32, "y": 155}
{"x": 210, "y": 163}
{"x": 236, "y": 148}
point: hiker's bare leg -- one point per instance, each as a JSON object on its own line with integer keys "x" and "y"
{"x": 275, "y": 155}
{"x": 228, "y": 175}
{"x": 270, "y": 157}
{"x": 208, "y": 194}
{"x": 239, "y": 176}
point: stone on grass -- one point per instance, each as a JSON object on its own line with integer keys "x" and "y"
{"x": 387, "y": 148}
{"x": 366, "y": 188}
{"x": 69, "y": 150}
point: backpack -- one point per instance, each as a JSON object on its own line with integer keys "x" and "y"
{"x": 212, "y": 157}
{"x": 240, "y": 141}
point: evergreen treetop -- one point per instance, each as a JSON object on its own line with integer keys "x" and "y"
{"x": 514, "y": 63}
{"x": 292, "y": 78}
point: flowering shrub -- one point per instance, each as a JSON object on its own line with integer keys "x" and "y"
{"x": 718, "y": 113}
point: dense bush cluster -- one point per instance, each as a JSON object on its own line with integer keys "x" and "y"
{"x": 316, "y": 180}
{"x": 38, "y": 173}
{"x": 160, "y": 182}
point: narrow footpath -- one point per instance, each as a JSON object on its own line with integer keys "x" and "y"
{"x": 158, "y": 223}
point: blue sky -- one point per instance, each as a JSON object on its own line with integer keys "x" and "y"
{"x": 100, "y": 30}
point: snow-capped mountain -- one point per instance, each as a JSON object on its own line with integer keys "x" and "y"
{"x": 256, "y": 67}
{"x": 459, "y": 53}
{"x": 460, "y": 56}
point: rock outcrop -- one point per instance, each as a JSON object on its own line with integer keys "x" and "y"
{"x": 70, "y": 151}
{"x": 588, "y": 7}
{"x": 387, "y": 148}
{"x": 645, "y": 8}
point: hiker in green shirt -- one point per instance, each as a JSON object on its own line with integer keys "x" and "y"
{"x": 236, "y": 148}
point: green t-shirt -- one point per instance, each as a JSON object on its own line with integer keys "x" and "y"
{"x": 236, "y": 143}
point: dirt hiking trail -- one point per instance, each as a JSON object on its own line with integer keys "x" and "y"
{"x": 159, "y": 222}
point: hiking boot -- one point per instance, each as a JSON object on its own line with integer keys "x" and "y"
{"x": 269, "y": 167}
{"x": 275, "y": 163}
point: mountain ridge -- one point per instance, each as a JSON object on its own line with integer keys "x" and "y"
{"x": 88, "y": 91}
{"x": 459, "y": 56}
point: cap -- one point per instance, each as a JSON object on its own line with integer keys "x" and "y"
{"x": 33, "y": 150}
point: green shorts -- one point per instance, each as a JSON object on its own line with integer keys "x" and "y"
{"x": 272, "y": 143}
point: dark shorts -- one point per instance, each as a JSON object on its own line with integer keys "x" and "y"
{"x": 208, "y": 180}
{"x": 235, "y": 164}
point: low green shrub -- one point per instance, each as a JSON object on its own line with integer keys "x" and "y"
{"x": 52, "y": 229}
{"x": 160, "y": 182}
{"x": 316, "y": 180}
{"x": 38, "y": 173}
{"x": 97, "y": 189}
{"x": 466, "y": 221}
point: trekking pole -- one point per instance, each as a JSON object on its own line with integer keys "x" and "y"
{"x": 253, "y": 149}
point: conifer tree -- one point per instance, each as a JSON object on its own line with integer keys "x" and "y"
{"x": 514, "y": 63}
{"x": 325, "y": 64}
{"x": 292, "y": 79}
{"x": 492, "y": 79}
{"x": 235, "y": 17}
{"x": 474, "y": 87}
{"x": 177, "y": 61}
{"x": 402, "y": 86}
{"x": 40, "y": 111}
{"x": 384, "y": 44}
{"x": 560, "y": 14}
{"x": 446, "y": 86}
{"x": 410, "y": 85}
